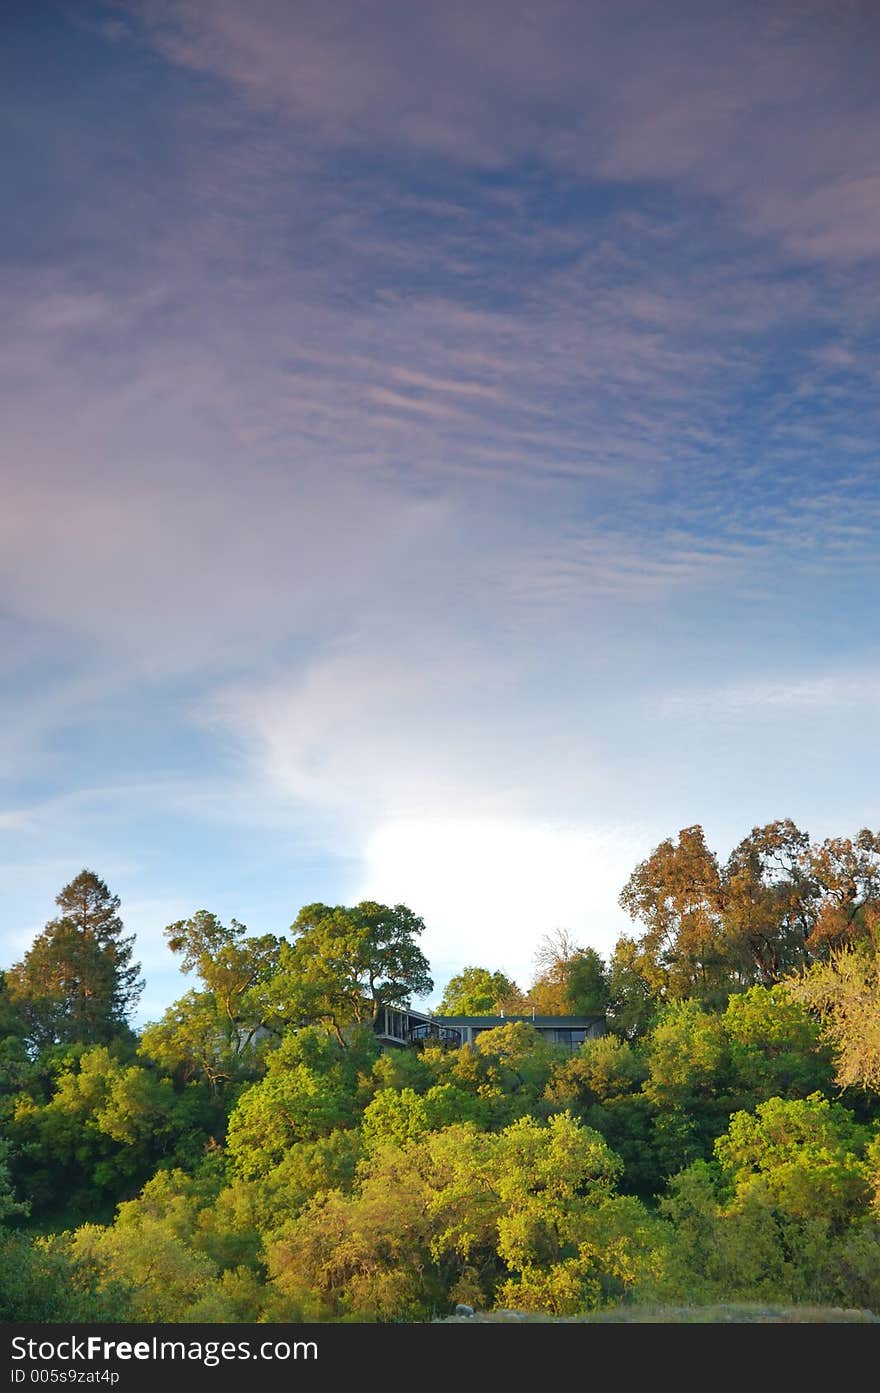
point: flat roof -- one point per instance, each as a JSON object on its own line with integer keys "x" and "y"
{"x": 489, "y": 1022}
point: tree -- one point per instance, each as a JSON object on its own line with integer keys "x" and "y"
{"x": 311, "y": 1088}
{"x": 603, "y": 1069}
{"x": 566, "y": 1240}
{"x": 587, "y": 986}
{"x": 284, "y": 1108}
{"x": 161, "y": 1275}
{"x": 475, "y": 991}
{"x": 217, "y": 1033}
{"x": 106, "y": 1126}
{"x": 712, "y": 930}
{"x": 191, "y": 1042}
{"x": 234, "y": 1228}
{"x": 844, "y": 993}
{"x": 602, "y": 1085}
{"x": 548, "y": 993}
{"x": 395, "y": 1116}
{"x": 773, "y": 1232}
{"x": 17, "y": 1068}
{"x": 233, "y": 966}
{"x": 847, "y": 875}
{"x": 689, "y": 1082}
{"x": 677, "y": 894}
{"x": 528, "y": 1216}
{"x": 346, "y": 964}
{"x": 77, "y": 983}
{"x": 41, "y": 1282}
{"x": 803, "y": 1156}
{"x": 776, "y": 1049}
{"x": 569, "y": 979}
{"x": 9, "y": 1205}
{"x": 633, "y": 1001}
{"x": 769, "y": 903}
{"x": 688, "y": 1057}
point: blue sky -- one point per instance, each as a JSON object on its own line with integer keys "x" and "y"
{"x": 439, "y": 454}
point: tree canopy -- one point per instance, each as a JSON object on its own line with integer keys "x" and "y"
{"x": 346, "y": 964}
{"x": 475, "y": 991}
{"x": 77, "y": 983}
{"x": 262, "y": 1154}
{"x": 778, "y": 904}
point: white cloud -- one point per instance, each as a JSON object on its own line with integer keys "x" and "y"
{"x": 400, "y": 722}
{"x": 489, "y": 889}
{"x": 428, "y": 492}
{"x": 776, "y": 697}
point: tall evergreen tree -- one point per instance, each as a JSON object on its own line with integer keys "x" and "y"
{"x": 77, "y": 983}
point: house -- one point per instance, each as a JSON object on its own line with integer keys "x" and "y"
{"x": 407, "y": 1027}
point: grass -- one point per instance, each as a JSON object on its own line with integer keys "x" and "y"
{"x": 742, "y": 1312}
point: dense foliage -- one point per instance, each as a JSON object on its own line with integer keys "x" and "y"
{"x": 255, "y": 1155}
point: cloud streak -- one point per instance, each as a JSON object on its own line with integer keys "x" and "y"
{"x": 422, "y": 416}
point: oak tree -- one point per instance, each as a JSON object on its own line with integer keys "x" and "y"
{"x": 346, "y": 964}
{"x": 475, "y": 991}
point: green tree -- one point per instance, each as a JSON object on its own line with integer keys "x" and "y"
{"x": 803, "y": 1156}
{"x": 311, "y": 1087}
{"x": 107, "y": 1125}
{"x": 192, "y": 1042}
{"x": 844, "y": 995}
{"x": 527, "y": 1216}
{"x": 717, "y": 1256}
{"x": 690, "y": 1084}
{"x": 587, "y": 985}
{"x": 688, "y": 1056}
{"x": 346, "y": 964}
{"x": 163, "y": 1276}
{"x": 393, "y": 1115}
{"x": 220, "y": 1033}
{"x": 602, "y": 1070}
{"x": 77, "y": 983}
{"x": 9, "y": 1206}
{"x": 249, "y": 1211}
{"x": 569, "y": 980}
{"x": 18, "y": 1070}
{"x": 166, "y": 1251}
{"x": 633, "y": 996}
{"x": 567, "y": 1240}
{"x": 747, "y": 1248}
{"x": 475, "y": 991}
{"x": 776, "y": 1046}
{"x": 284, "y": 1108}
{"x": 781, "y": 1214}
{"x": 43, "y": 1283}
{"x": 234, "y": 967}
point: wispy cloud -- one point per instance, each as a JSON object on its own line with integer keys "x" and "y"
{"x": 754, "y": 108}
{"x": 776, "y": 698}
{"x": 416, "y": 414}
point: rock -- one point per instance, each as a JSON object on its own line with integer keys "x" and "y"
{"x": 462, "y": 1310}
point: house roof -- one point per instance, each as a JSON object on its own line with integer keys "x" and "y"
{"x": 489, "y": 1022}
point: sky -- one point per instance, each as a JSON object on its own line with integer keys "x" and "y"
{"x": 438, "y": 455}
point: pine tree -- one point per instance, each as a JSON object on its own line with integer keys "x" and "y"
{"x": 77, "y": 983}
